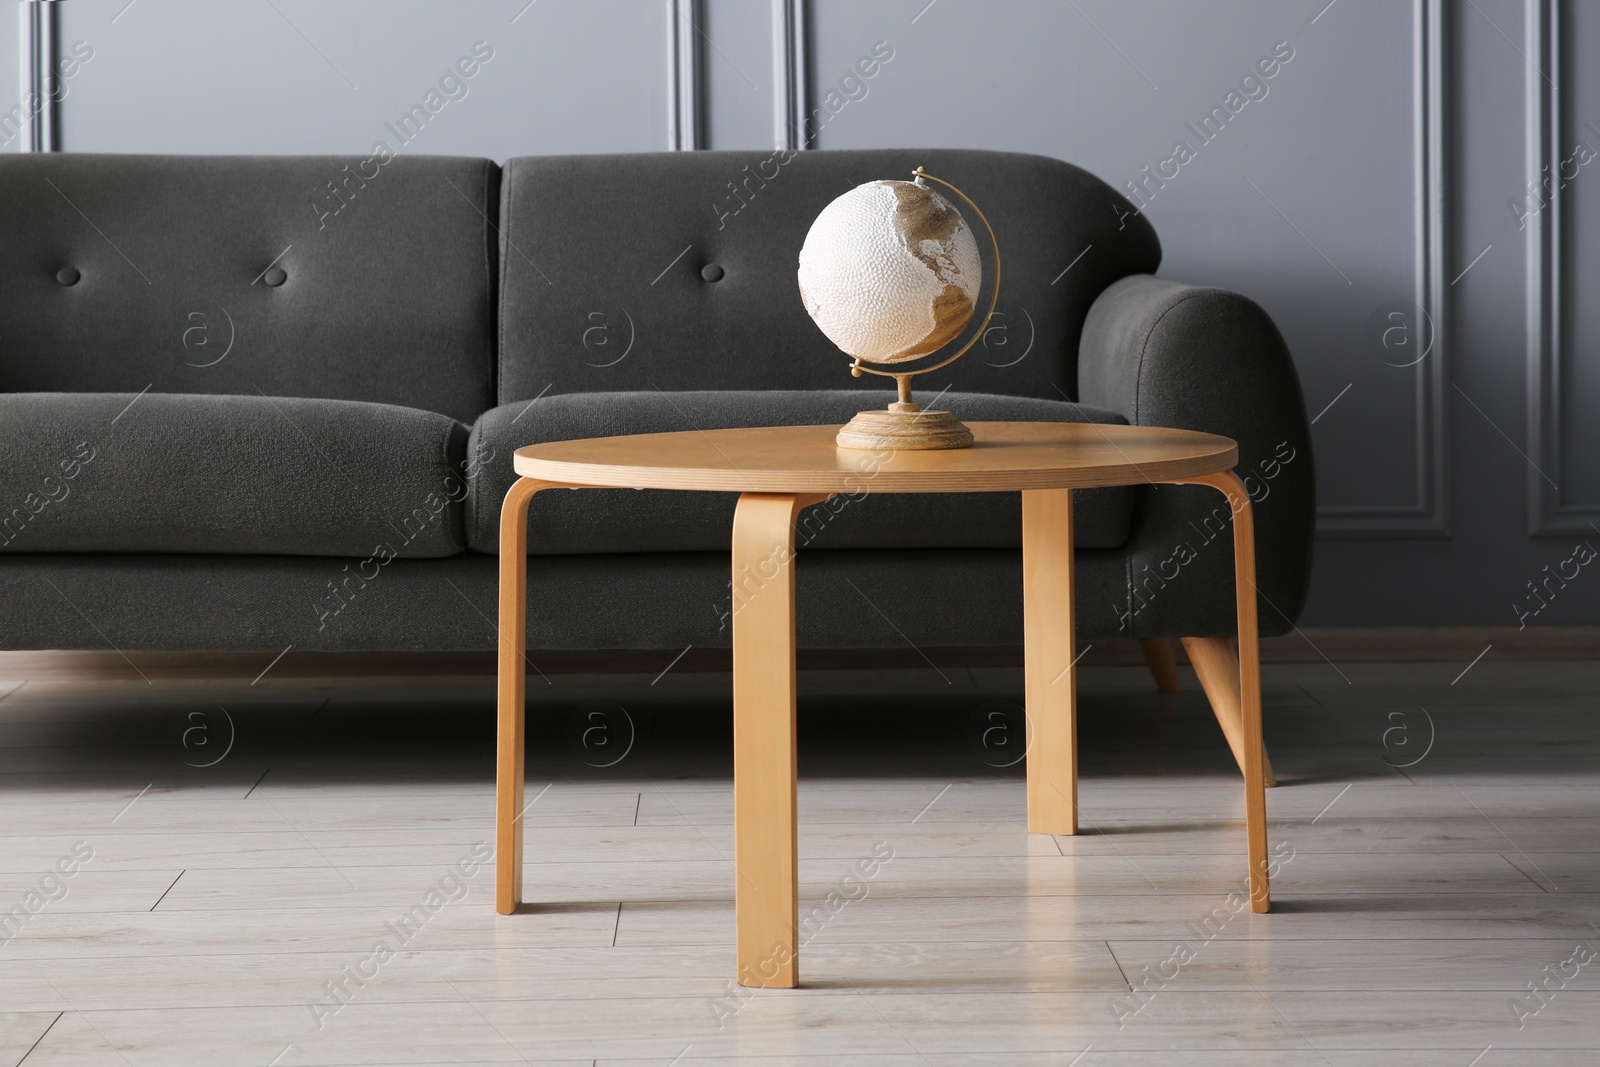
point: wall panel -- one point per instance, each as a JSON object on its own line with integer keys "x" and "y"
{"x": 737, "y": 73}
{"x": 1559, "y": 210}
{"x": 296, "y": 76}
{"x": 1330, "y": 242}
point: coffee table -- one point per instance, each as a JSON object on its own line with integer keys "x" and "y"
{"x": 780, "y": 470}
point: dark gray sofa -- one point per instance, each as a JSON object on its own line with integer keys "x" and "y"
{"x": 236, "y": 419}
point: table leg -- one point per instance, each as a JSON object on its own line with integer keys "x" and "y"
{"x": 512, "y": 693}
{"x": 766, "y": 855}
{"x": 1050, "y": 677}
{"x": 1244, "y": 583}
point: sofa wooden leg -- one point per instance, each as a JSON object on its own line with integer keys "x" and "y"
{"x": 1218, "y": 668}
{"x": 1163, "y": 663}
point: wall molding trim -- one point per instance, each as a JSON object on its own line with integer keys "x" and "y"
{"x": 1547, "y": 352}
{"x": 37, "y": 46}
{"x": 685, "y": 86}
{"x": 790, "y": 91}
{"x": 1430, "y": 515}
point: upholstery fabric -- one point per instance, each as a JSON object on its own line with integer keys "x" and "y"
{"x": 1167, "y": 354}
{"x": 627, "y": 520}
{"x": 663, "y": 601}
{"x": 343, "y": 279}
{"x": 121, "y": 472}
{"x": 606, "y": 287}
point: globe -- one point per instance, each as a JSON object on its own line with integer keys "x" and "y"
{"x": 890, "y": 271}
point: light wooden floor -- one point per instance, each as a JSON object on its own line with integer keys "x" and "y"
{"x": 1413, "y": 908}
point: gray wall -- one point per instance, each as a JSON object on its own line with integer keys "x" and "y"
{"x": 1350, "y": 199}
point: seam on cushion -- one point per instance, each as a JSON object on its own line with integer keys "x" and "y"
{"x": 488, "y": 281}
{"x": 469, "y": 507}
{"x": 479, "y": 478}
{"x": 445, "y": 449}
{"x": 500, "y": 314}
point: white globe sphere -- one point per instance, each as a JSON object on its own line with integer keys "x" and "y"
{"x": 889, "y": 272}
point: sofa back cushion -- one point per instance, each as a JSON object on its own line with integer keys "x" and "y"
{"x": 318, "y": 277}
{"x": 677, "y": 271}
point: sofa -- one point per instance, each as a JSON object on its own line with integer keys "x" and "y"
{"x": 252, "y": 403}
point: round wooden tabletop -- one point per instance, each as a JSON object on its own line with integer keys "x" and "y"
{"x": 1007, "y": 456}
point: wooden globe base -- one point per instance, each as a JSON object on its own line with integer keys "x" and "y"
{"x": 904, "y": 426}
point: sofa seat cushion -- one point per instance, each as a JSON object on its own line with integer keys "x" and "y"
{"x": 651, "y": 520}
{"x": 126, "y": 472}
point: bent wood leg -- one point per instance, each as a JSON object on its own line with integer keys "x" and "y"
{"x": 1254, "y": 756}
{"x": 1218, "y": 668}
{"x": 1049, "y": 648}
{"x": 512, "y": 691}
{"x": 1163, "y": 664}
{"x": 766, "y": 848}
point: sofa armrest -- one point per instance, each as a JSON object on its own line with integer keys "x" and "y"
{"x": 1161, "y": 353}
